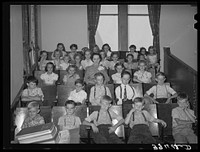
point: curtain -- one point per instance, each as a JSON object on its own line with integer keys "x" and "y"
{"x": 93, "y": 13}
{"x": 154, "y": 19}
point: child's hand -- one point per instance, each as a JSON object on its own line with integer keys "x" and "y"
{"x": 111, "y": 129}
{"x": 168, "y": 101}
{"x": 94, "y": 128}
{"x": 163, "y": 123}
{"x": 154, "y": 101}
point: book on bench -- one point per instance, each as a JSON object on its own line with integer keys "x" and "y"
{"x": 37, "y": 133}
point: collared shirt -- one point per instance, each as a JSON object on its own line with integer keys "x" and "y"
{"x": 133, "y": 65}
{"x": 97, "y": 92}
{"x": 69, "y": 122}
{"x": 117, "y": 78}
{"x": 145, "y": 76}
{"x": 86, "y": 63}
{"x": 179, "y": 113}
{"x": 139, "y": 118}
{"x": 33, "y": 92}
{"x": 104, "y": 117}
{"x": 49, "y": 79}
{"x": 161, "y": 91}
{"x": 29, "y": 122}
{"x": 119, "y": 92}
{"x": 77, "y": 96}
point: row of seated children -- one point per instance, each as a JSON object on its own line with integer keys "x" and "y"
{"x": 65, "y": 61}
{"x": 162, "y": 93}
{"x": 103, "y": 131}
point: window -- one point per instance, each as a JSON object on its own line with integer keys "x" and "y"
{"x": 107, "y": 30}
{"x": 139, "y": 30}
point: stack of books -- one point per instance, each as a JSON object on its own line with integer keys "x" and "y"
{"x": 45, "y": 133}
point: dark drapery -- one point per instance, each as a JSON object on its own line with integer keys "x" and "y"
{"x": 93, "y": 12}
{"x": 154, "y": 19}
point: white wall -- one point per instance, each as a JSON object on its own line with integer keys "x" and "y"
{"x": 16, "y": 46}
{"x": 65, "y": 24}
{"x": 177, "y": 32}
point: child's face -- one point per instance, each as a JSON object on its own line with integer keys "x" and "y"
{"x": 71, "y": 71}
{"x": 44, "y": 55}
{"x": 73, "y": 49}
{"x": 57, "y": 55}
{"x": 66, "y": 59}
{"x": 183, "y": 103}
{"x": 99, "y": 80}
{"x": 60, "y": 47}
{"x": 96, "y": 59}
{"x": 87, "y": 55}
{"x": 132, "y": 49}
{"x": 103, "y": 55}
{"x": 138, "y": 106}
{"x": 50, "y": 68}
{"x": 125, "y": 79}
{"x": 119, "y": 69}
{"x": 79, "y": 87}
{"x": 32, "y": 112}
{"x": 106, "y": 48}
{"x": 70, "y": 109}
{"x": 115, "y": 57}
{"x": 130, "y": 59}
{"x": 105, "y": 104}
{"x": 151, "y": 51}
{"x": 160, "y": 79}
{"x": 95, "y": 49}
{"x": 77, "y": 59}
{"x": 31, "y": 85}
{"x": 142, "y": 66}
{"x": 143, "y": 51}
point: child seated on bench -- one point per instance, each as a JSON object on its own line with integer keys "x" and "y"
{"x": 182, "y": 119}
{"x": 162, "y": 92}
{"x": 138, "y": 120}
{"x": 101, "y": 123}
{"x": 67, "y": 123}
{"x": 32, "y": 92}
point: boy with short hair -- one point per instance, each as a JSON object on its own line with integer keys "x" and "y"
{"x": 138, "y": 120}
{"x": 182, "y": 119}
{"x": 32, "y": 92}
{"x": 101, "y": 123}
{"x": 67, "y": 122}
{"x": 33, "y": 118}
{"x": 162, "y": 93}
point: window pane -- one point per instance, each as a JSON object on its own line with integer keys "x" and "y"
{"x": 139, "y": 31}
{"x": 109, "y": 9}
{"x": 137, "y": 9}
{"x": 107, "y": 32}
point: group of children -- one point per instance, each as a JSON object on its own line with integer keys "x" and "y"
{"x": 93, "y": 86}
{"x": 103, "y": 130}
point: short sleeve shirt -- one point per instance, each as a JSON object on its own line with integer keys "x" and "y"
{"x": 145, "y": 76}
{"x": 29, "y": 122}
{"x": 78, "y": 96}
{"x": 49, "y": 78}
{"x": 33, "y": 92}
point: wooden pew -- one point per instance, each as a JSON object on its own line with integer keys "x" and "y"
{"x": 50, "y": 95}
{"x": 63, "y": 92}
